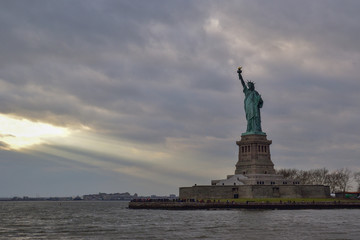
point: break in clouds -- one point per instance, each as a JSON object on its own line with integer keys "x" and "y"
{"x": 157, "y": 80}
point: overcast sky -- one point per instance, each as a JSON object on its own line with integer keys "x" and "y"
{"x": 143, "y": 96}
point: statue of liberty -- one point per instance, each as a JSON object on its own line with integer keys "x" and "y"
{"x": 252, "y": 104}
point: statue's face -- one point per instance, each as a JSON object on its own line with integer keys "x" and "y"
{"x": 251, "y": 86}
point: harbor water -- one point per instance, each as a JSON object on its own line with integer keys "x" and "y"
{"x": 113, "y": 220}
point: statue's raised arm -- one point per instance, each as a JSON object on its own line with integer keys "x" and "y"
{"x": 239, "y": 71}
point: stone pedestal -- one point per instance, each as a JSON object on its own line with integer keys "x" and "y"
{"x": 254, "y": 155}
{"x": 254, "y": 177}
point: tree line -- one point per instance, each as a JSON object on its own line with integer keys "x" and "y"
{"x": 338, "y": 180}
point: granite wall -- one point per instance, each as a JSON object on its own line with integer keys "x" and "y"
{"x": 254, "y": 191}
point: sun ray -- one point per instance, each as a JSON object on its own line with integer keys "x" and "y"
{"x": 17, "y": 133}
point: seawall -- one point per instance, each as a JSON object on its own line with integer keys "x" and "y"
{"x": 249, "y": 205}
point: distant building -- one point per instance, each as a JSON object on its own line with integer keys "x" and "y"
{"x": 109, "y": 197}
{"x": 122, "y": 197}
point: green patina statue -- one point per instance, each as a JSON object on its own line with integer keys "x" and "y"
{"x": 252, "y": 104}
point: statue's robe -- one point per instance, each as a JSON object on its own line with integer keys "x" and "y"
{"x": 252, "y": 104}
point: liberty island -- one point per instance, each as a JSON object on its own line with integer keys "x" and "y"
{"x": 254, "y": 175}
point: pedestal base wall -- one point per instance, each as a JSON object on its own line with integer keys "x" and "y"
{"x": 254, "y": 191}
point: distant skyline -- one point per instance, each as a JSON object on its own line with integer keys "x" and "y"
{"x": 143, "y": 96}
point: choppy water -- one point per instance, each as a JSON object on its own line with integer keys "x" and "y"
{"x": 112, "y": 220}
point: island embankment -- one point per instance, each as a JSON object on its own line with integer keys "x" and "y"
{"x": 282, "y": 205}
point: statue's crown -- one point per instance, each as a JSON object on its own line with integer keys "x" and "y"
{"x": 251, "y": 82}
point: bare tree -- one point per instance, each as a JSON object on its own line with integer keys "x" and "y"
{"x": 288, "y": 173}
{"x": 344, "y": 178}
{"x": 303, "y": 176}
{"x": 337, "y": 180}
{"x": 314, "y": 176}
{"x": 318, "y": 176}
{"x": 331, "y": 181}
{"x": 356, "y": 176}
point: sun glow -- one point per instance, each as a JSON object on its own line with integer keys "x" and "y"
{"x": 18, "y": 133}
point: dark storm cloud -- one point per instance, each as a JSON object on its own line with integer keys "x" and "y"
{"x": 150, "y": 72}
{"x": 111, "y": 56}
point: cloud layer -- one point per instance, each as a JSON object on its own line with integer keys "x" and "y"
{"x": 149, "y": 90}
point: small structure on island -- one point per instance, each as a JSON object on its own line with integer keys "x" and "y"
{"x": 255, "y": 176}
